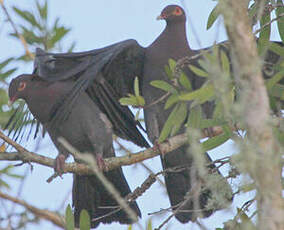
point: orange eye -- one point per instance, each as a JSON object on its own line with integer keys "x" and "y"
{"x": 178, "y": 11}
{"x": 22, "y": 86}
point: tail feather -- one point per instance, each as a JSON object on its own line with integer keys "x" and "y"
{"x": 180, "y": 183}
{"x": 89, "y": 193}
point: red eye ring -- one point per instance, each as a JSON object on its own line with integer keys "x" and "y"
{"x": 22, "y": 86}
{"x": 178, "y": 11}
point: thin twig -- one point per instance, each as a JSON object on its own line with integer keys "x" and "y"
{"x": 188, "y": 197}
{"x": 268, "y": 23}
{"x": 157, "y": 100}
{"x": 150, "y": 171}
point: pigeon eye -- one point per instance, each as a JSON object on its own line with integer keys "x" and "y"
{"x": 22, "y": 86}
{"x": 178, "y": 11}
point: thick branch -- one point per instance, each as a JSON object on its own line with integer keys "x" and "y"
{"x": 111, "y": 163}
{"x": 45, "y": 214}
{"x": 262, "y": 158}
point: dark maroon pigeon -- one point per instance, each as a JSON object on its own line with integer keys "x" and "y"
{"x": 108, "y": 74}
{"x": 92, "y": 133}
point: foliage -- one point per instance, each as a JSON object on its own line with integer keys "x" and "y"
{"x": 213, "y": 67}
{"x": 36, "y": 32}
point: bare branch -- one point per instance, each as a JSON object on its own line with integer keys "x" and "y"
{"x": 45, "y": 214}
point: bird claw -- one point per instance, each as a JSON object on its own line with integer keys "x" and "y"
{"x": 100, "y": 162}
{"x": 59, "y": 164}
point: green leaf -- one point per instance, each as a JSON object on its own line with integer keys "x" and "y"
{"x": 4, "y": 184}
{"x": 199, "y": 72}
{"x": 164, "y": 86}
{"x": 6, "y": 169}
{"x": 264, "y": 35}
{"x": 16, "y": 176}
{"x": 172, "y": 65}
{"x": 69, "y": 218}
{"x": 169, "y": 72}
{"x": 280, "y": 21}
{"x": 30, "y": 36}
{"x": 206, "y": 123}
{"x": 29, "y": 17}
{"x": 136, "y": 87}
{"x": 183, "y": 80}
{"x": 60, "y": 32}
{"x": 6, "y": 62}
{"x": 171, "y": 101}
{"x": 276, "y": 48}
{"x": 194, "y": 118}
{"x": 42, "y": 10}
{"x": 131, "y": 100}
{"x": 218, "y": 111}
{"x": 278, "y": 91}
{"x": 253, "y": 11}
{"x": 274, "y": 80}
{"x": 213, "y": 17}
{"x": 71, "y": 48}
{"x": 179, "y": 118}
{"x": 279, "y": 135}
{"x": 140, "y": 100}
{"x": 149, "y": 225}
{"x": 225, "y": 63}
{"x": 168, "y": 125}
{"x": 85, "y": 222}
{"x": 214, "y": 142}
{"x": 3, "y": 97}
{"x": 7, "y": 73}
{"x": 205, "y": 93}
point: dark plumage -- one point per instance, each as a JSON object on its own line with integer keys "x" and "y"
{"x": 88, "y": 130}
{"x": 107, "y": 74}
{"x": 172, "y": 43}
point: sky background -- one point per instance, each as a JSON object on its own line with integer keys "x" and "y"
{"x": 96, "y": 24}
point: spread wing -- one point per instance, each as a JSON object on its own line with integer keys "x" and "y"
{"x": 105, "y": 74}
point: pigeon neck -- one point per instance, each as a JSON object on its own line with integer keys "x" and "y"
{"x": 177, "y": 31}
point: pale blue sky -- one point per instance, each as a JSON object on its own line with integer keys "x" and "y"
{"x": 96, "y": 24}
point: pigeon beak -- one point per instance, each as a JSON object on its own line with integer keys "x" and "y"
{"x": 11, "y": 101}
{"x": 160, "y": 17}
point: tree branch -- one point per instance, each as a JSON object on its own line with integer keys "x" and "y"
{"x": 111, "y": 163}
{"x": 45, "y": 214}
{"x": 261, "y": 158}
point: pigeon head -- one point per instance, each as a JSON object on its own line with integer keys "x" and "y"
{"x": 172, "y": 14}
{"x": 19, "y": 87}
